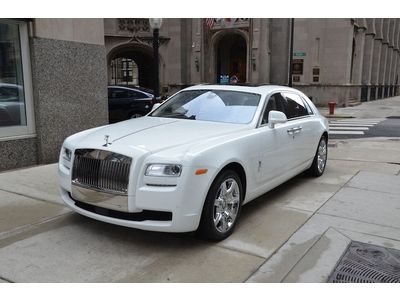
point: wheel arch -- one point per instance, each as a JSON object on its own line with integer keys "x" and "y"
{"x": 239, "y": 169}
{"x": 325, "y": 134}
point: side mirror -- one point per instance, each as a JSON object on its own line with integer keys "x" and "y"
{"x": 155, "y": 106}
{"x": 276, "y": 117}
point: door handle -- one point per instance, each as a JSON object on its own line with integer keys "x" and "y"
{"x": 290, "y": 131}
{"x": 294, "y": 130}
{"x": 297, "y": 129}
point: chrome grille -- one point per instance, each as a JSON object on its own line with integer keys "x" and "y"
{"x": 101, "y": 170}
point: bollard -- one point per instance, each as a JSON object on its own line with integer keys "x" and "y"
{"x": 331, "y": 105}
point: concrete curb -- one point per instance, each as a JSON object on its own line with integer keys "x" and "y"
{"x": 338, "y": 116}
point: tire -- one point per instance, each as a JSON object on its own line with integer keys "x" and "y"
{"x": 221, "y": 213}
{"x": 321, "y": 156}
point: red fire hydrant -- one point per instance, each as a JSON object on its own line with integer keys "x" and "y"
{"x": 331, "y": 105}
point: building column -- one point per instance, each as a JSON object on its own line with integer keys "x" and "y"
{"x": 359, "y": 36}
{"x": 196, "y": 51}
{"x": 70, "y": 80}
{"x": 254, "y": 55}
{"x": 264, "y": 63}
{"x": 279, "y": 33}
{"x": 384, "y": 58}
{"x": 395, "y": 56}
{"x": 376, "y": 61}
{"x": 367, "y": 61}
{"x": 389, "y": 61}
{"x": 396, "y": 74}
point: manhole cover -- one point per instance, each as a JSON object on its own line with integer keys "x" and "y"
{"x": 367, "y": 263}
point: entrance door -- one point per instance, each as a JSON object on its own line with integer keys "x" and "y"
{"x": 132, "y": 66}
{"x": 232, "y": 57}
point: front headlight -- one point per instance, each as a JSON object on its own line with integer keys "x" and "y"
{"x": 67, "y": 154}
{"x": 171, "y": 170}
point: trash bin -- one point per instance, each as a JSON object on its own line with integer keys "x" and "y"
{"x": 331, "y": 105}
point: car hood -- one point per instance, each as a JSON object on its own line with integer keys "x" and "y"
{"x": 155, "y": 134}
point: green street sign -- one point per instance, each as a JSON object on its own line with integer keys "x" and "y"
{"x": 299, "y": 54}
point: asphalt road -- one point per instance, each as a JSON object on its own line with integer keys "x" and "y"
{"x": 388, "y": 127}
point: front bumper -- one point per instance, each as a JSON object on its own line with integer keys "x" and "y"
{"x": 183, "y": 202}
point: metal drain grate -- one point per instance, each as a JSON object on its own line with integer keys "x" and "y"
{"x": 367, "y": 263}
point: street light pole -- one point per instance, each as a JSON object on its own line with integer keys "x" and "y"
{"x": 155, "y": 24}
{"x": 291, "y": 52}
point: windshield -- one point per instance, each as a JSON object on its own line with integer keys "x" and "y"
{"x": 211, "y": 105}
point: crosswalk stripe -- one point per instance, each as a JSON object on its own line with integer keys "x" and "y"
{"x": 346, "y": 132}
{"x": 351, "y": 125}
{"x": 348, "y": 128}
{"x": 358, "y": 120}
{"x": 371, "y": 123}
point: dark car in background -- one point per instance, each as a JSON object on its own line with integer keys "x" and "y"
{"x": 11, "y": 107}
{"x": 126, "y": 103}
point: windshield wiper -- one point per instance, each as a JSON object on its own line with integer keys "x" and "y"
{"x": 178, "y": 116}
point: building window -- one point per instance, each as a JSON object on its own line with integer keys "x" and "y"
{"x": 124, "y": 71}
{"x": 16, "y": 112}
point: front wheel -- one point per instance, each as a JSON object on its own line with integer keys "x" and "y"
{"x": 319, "y": 163}
{"x": 222, "y": 207}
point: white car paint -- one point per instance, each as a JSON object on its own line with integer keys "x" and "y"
{"x": 269, "y": 157}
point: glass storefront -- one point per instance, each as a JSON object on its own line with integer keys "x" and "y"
{"x": 12, "y": 99}
{"x": 14, "y": 117}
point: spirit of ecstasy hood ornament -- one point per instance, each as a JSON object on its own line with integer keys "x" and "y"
{"x": 106, "y": 137}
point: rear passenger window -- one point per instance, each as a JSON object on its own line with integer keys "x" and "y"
{"x": 119, "y": 93}
{"x": 136, "y": 95}
{"x": 295, "y": 107}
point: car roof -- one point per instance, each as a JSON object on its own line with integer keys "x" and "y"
{"x": 11, "y": 85}
{"x": 128, "y": 88}
{"x": 259, "y": 89}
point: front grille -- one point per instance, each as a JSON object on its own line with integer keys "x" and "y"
{"x": 101, "y": 170}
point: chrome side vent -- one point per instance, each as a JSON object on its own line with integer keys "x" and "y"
{"x": 101, "y": 170}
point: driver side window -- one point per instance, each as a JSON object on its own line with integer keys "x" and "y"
{"x": 275, "y": 102}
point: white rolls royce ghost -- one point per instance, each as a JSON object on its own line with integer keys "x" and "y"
{"x": 192, "y": 162}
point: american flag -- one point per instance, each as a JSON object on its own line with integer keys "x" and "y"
{"x": 210, "y": 22}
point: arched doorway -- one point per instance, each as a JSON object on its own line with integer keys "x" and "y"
{"x": 231, "y": 56}
{"x": 131, "y": 65}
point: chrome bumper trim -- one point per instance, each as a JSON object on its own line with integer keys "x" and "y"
{"x": 96, "y": 197}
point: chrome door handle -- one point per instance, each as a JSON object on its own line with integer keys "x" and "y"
{"x": 297, "y": 129}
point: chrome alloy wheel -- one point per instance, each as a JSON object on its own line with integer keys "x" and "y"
{"x": 322, "y": 155}
{"x": 226, "y": 205}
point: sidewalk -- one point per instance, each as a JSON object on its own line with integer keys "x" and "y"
{"x": 372, "y": 109}
{"x": 295, "y": 233}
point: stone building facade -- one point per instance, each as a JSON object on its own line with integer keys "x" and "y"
{"x": 347, "y": 59}
{"x": 54, "y": 72}
{"x": 53, "y": 83}
{"x": 191, "y": 53}
{"x": 333, "y": 59}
